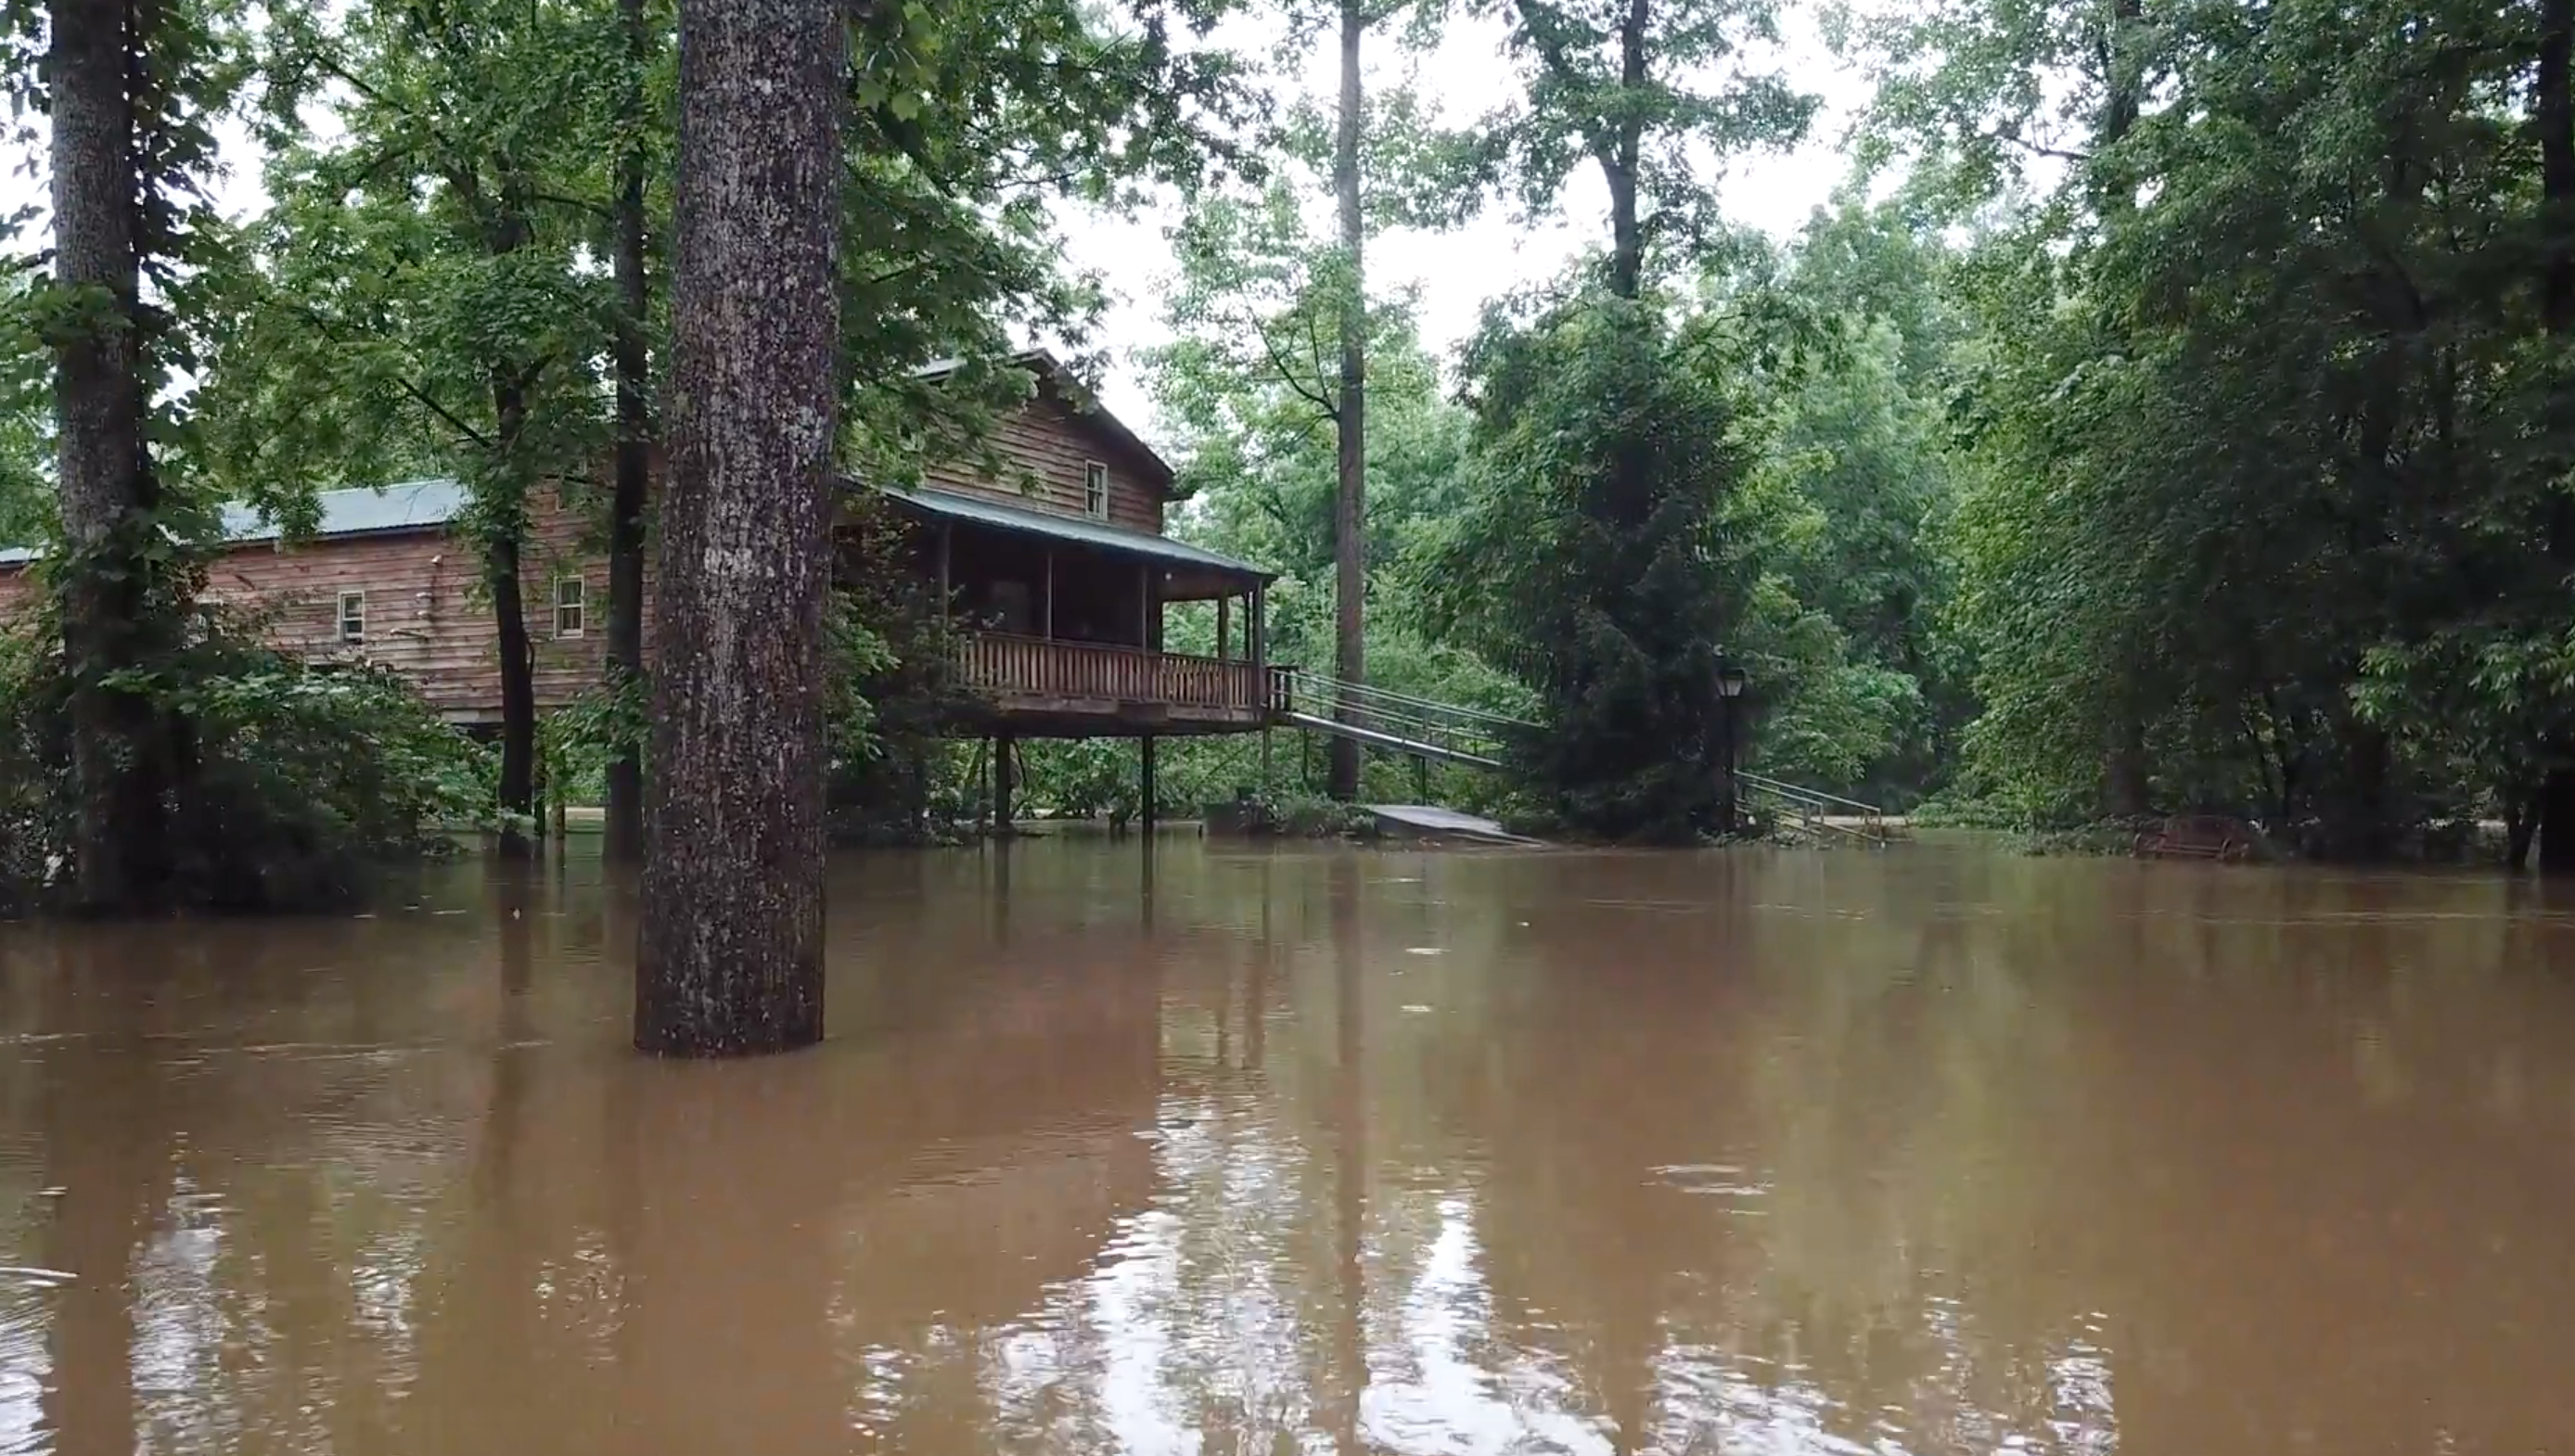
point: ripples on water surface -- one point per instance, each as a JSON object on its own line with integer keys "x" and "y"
{"x": 1934, "y": 1151}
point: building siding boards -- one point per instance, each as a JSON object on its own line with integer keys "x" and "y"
{"x": 1052, "y": 442}
{"x": 427, "y": 613}
{"x": 429, "y": 618}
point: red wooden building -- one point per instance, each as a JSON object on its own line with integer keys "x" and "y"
{"x": 1055, "y": 566}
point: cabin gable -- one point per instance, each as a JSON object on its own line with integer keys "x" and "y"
{"x": 1051, "y": 448}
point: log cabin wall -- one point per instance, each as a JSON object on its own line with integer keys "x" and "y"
{"x": 1056, "y": 443}
{"x": 424, "y": 611}
{"x": 427, "y": 617}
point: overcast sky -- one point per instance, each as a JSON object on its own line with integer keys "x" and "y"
{"x": 1455, "y": 271}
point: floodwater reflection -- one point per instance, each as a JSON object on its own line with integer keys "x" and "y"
{"x": 1935, "y": 1150}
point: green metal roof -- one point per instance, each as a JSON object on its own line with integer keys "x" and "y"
{"x": 362, "y": 511}
{"x": 1073, "y": 531}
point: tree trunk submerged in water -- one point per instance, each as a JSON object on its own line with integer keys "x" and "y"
{"x": 121, "y": 744}
{"x": 729, "y": 955}
{"x": 2556, "y": 815}
{"x": 517, "y": 677}
{"x": 625, "y": 838}
{"x": 1350, "y": 506}
{"x": 2553, "y": 118}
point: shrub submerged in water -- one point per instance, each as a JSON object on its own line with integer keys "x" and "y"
{"x": 287, "y": 781}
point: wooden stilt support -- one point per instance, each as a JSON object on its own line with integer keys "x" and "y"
{"x": 1145, "y": 785}
{"x": 1005, "y": 779}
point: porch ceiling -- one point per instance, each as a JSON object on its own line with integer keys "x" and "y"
{"x": 1193, "y": 571}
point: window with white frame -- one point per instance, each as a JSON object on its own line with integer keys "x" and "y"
{"x": 570, "y": 604}
{"x": 1095, "y": 487}
{"x": 353, "y": 617}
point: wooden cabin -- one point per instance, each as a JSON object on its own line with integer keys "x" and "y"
{"x": 1055, "y": 566}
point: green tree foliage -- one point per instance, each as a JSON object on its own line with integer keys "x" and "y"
{"x": 1595, "y": 565}
{"x": 301, "y": 778}
{"x": 1846, "y": 393}
{"x": 432, "y": 299}
{"x": 1644, "y": 93}
{"x": 2271, "y": 423}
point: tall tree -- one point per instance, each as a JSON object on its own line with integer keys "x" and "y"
{"x": 129, "y": 87}
{"x": 107, "y": 489}
{"x": 629, "y": 492}
{"x": 430, "y": 305}
{"x": 1350, "y": 512}
{"x": 2552, "y": 120}
{"x": 1367, "y": 138}
{"x": 1638, "y": 89}
{"x": 730, "y": 954}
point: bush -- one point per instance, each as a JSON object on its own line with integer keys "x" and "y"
{"x": 290, "y": 780}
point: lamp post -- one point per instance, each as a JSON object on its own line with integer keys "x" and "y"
{"x": 1730, "y": 687}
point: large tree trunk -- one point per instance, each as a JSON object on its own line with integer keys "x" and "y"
{"x": 2557, "y": 821}
{"x": 2125, "y": 776}
{"x": 104, "y": 479}
{"x": 1350, "y": 510}
{"x": 2553, "y": 115}
{"x": 1619, "y": 158}
{"x": 634, "y": 451}
{"x": 2553, "y": 118}
{"x": 501, "y": 541}
{"x": 730, "y": 958}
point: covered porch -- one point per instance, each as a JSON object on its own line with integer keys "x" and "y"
{"x": 1061, "y": 622}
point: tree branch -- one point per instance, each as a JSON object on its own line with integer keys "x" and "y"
{"x": 473, "y": 436}
{"x": 2035, "y": 150}
{"x": 1287, "y": 376}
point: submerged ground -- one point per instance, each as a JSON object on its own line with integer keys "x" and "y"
{"x": 1936, "y": 1149}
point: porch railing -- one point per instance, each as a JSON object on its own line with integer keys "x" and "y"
{"x": 999, "y": 662}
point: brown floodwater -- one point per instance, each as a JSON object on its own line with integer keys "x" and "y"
{"x": 1930, "y": 1150}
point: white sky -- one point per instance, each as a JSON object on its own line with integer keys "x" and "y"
{"x": 1455, "y": 271}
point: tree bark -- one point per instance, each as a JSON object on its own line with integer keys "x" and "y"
{"x": 729, "y": 955}
{"x": 1618, "y": 163}
{"x": 2557, "y": 821}
{"x": 2130, "y": 793}
{"x": 2553, "y": 118}
{"x": 1350, "y": 509}
{"x": 2520, "y": 826}
{"x": 501, "y": 541}
{"x": 634, "y": 469}
{"x": 104, "y": 479}
{"x": 2553, "y": 115}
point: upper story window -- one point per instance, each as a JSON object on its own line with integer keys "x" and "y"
{"x": 353, "y": 617}
{"x": 571, "y": 606}
{"x": 1095, "y": 489}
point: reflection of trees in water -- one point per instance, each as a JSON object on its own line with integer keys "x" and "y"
{"x": 1736, "y": 1133}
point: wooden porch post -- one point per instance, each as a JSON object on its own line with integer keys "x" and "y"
{"x": 943, "y": 571}
{"x": 1256, "y": 639}
{"x": 1004, "y": 771}
{"x": 1223, "y": 605}
{"x": 1145, "y": 776}
{"x": 1046, "y": 622}
{"x": 1256, "y": 628}
{"x": 1144, "y": 605}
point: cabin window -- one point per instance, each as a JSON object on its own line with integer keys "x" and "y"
{"x": 1095, "y": 487}
{"x": 570, "y": 602}
{"x": 353, "y": 617}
